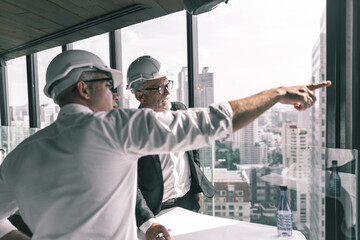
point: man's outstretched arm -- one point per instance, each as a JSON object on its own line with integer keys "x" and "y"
{"x": 248, "y": 109}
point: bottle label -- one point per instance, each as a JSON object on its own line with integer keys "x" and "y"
{"x": 284, "y": 223}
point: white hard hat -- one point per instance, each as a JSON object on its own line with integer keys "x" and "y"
{"x": 66, "y": 68}
{"x": 144, "y": 68}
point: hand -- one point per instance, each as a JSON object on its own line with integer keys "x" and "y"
{"x": 154, "y": 230}
{"x": 302, "y": 97}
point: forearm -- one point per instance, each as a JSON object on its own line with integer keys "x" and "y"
{"x": 15, "y": 235}
{"x": 247, "y": 109}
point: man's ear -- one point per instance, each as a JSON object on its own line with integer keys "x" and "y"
{"x": 83, "y": 90}
{"x": 140, "y": 96}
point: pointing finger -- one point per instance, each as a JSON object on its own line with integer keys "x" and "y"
{"x": 319, "y": 85}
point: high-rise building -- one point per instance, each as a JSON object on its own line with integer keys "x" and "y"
{"x": 50, "y": 113}
{"x": 247, "y": 140}
{"x": 317, "y": 136}
{"x": 204, "y": 96}
{"x": 297, "y": 167}
{"x": 204, "y": 88}
{"x": 182, "y": 93}
{"x": 232, "y": 197}
{"x": 262, "y": 192}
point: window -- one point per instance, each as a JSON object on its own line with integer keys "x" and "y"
{"x": 261, "y": 44}
{"x": 48, "y": 109}
{"x": 18, "y": 95}
{"x": 239, "y": 199}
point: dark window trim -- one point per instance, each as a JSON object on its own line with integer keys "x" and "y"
{"x": 115, "y": 53}
{"x": 4, "y": 93}
{"x": 192, "y": 55}
{"x": 33, "y": 90}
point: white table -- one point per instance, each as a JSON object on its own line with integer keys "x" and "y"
{"x": 187, "y": 225}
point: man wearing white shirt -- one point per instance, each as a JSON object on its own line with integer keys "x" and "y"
{"x": 76, "y": 179}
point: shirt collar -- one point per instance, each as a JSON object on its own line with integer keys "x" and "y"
{"x": 74, "y": 107}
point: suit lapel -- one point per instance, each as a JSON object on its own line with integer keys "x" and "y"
{"x": 157, "y": 163}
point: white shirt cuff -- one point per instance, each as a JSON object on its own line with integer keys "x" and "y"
{"x": 5, "y": 227}
{"x": 145, "y": 226}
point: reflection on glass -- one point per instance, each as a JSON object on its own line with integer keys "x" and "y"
{"x": 18, "y": 95}
{"x": 250, "y": 191}
{"x": 249, "y": 46}
{"x": 48, "y": 109}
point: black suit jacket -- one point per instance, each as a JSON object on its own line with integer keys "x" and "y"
{"x": 151, "y": 184}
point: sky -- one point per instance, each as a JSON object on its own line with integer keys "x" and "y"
{"x": 250, "y": 45}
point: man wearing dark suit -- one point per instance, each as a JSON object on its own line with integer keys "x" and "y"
{"x": 151, "y": 184}
{"x": 164, "y": 180}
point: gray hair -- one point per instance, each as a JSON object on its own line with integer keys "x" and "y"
{"x": 138, "y": 86}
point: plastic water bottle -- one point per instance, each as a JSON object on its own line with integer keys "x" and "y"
{"x": 334, "y": 180}
{"x": 284, "y": 215}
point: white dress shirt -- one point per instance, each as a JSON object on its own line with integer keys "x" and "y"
{"x": 177, "y": 179}
{"x": 76, "y": 179}
{"x": 176, "y": 174}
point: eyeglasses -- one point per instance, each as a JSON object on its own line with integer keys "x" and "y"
{"x": 109, "y": 79}
{"x": 161, "y": 88}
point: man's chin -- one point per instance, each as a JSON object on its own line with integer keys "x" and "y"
{"x": 166, "y": 106}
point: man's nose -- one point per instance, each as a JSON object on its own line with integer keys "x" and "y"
{"x": 166, "y": 91}
{"x": 116, "y": 97}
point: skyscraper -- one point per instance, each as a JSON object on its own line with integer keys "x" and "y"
{"x": 317, "y": 136}
{"x": 296, "y": 166}
{"x": 204, "y": 88}
{"x": 247, "y": 140}
{"x": 182, "y": 93}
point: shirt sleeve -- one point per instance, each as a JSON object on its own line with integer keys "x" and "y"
{"x": 145, "y": 226}
{"x": 148, "y": 132}
{"x": 8, "y": 206}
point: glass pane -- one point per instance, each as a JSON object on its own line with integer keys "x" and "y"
{"x": 250, "y": 192}
{"x": 48, "y": 109}
{"x": 11, "y": 136}
{"x": 165, "y": 40}
{"x": 98, "y": 45}
{"x": 266, "y": 44}
{"x": 18, "y": 95}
